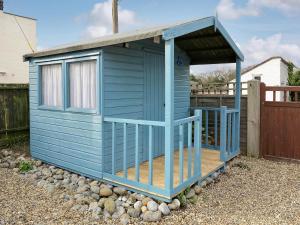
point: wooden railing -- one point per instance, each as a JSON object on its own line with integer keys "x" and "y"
{"x": 228, "y": 88}
{"x": 193, "y": 125}
{"x": 224, "y": 134}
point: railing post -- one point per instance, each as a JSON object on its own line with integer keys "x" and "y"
{"x": 197, "y": 143}
{"x": 137, "y": 157}
{"x": 181, "y": 154}
{"x": 223, "y": 131}
{"x": 125, "y": 150}
{"x": 238, "y": 101}
{"x": 113, "y": 147}
{"x": 169, "y": 114}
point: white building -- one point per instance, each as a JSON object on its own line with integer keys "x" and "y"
{"x": 273, "y": 72}
{"x": 17, "y": 37}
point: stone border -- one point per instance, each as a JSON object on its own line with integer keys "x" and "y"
{"x": 102, "y": 200}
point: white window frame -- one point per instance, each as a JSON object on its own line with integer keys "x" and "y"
{"x": 41, "y": 105}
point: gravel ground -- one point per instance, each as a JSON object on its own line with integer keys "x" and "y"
{"x": 252, "y": 192}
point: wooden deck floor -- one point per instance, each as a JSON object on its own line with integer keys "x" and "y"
{"x": 210, "y": 162}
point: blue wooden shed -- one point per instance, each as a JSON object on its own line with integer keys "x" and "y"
{"x": 117, "y": 108}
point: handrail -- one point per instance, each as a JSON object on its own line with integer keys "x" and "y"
{"x": 186, "y": 120}
{"x": 132, "y": 121}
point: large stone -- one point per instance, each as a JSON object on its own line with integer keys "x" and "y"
{"x": 105, "y": 192}
{"x": 83, "y": 188}
{"x": 59, "y": 172}
{"x": 163, "y": 207}
{"x": 124, "y": 219}
{"x": 198, "y": 189}
{"x": 95, "y": 196}
{"x": 110, "y": 206}
{"x": 138, "y": 205}
{"x": 174, "y": 205}
{"x": 119, "y": 191}
{"x": 150, "y": 216}
{"x": 119, "y": 212}
{"x": 191, "y": 193}
{"x": 58, "y": 177}
{"x": 46, "y": 172}
{"x": 95, "y": 189}
{"x": 101, "y": 202}
{"x": 4, "y": 165}
{"x": 134, "y": 212}
{"x": 152, "y": 206}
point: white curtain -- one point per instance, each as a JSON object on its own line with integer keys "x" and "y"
{"x": 52, "y": 85}
{"x": 83, "y": 84}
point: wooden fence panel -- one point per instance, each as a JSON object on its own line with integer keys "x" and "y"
{"x": 280, "y": 121}
{"x": 14, "y": 112}
{"x": 224, "y": 100}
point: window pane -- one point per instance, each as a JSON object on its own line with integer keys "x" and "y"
{"x": 83, "y": 84}
{"x": 51, "y": 85}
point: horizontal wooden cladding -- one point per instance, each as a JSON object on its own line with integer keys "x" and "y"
{"x": 66, "y": 137}
{"x": 62, "y": 162}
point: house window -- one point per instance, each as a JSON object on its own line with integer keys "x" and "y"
{"x": 82, "y": 84}
{"x": 51, "y": 85}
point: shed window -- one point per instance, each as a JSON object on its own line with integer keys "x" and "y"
{"x": 82, "y": 77}
{"x": 51, "y": 84}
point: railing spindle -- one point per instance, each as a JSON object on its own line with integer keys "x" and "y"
{"x": 113, "y": 146}
{"x": 189, "y": 149}
{"x": 125, "y": 150}
{"x": 181, "y": 153}
{"x": 229, "y": 133}
{"x": 216, "y": 129}
{"x": 223, "y": 122}
{"x": 233, "y": 149}
{"x": 137, "y": 161}
{"x": 150, "y": 175}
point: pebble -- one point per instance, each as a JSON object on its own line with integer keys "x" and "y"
{"x": 174, "y": 205}
{"x": 119, "y": 191}
{"x": 95, "y": 189}
{"x": 191, "y": 193}
{"x": 135, "y": 213}
{"x": 198, "y": 189}
{"x": 119, "y": 212}
{"x": 152, "y": 206}
{"x": 110, "y": 206}
{"x": 50, "y": 188}
{"x": 146, "y": 200}
{"x": 124, "y": 219}
{"x": 138, "y": 205}
{"x": 150, "y": 216}
{"x": 163, "y": 207}
{"x": 143, "y": 209}
{"x": 105, "y": 192}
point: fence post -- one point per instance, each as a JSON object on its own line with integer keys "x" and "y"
{"x": 223, "y": 133}
{"x": 253, "y": 118}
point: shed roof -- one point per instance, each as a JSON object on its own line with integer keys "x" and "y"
{"x": 205, "y": 41}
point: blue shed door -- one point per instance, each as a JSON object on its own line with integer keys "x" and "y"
{"x": 154, "y": 100}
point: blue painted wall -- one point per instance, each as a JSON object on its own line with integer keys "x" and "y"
{"x": 69, "y": 140}
{"x": 74, "y": 140}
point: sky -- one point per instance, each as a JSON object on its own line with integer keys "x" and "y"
{"x": 261, "y": 28}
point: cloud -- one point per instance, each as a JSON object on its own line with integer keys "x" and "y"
{"x": 99, "y": 20}
{"x": 259, "y": 49}
{"x": 228, "y": 9}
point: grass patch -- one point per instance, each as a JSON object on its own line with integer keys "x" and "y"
{"x": 25, "y": 166}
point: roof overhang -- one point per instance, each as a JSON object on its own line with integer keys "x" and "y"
{"x": 205, "y": 40}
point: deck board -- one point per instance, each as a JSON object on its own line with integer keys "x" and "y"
{"x": 210, "y": 162}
